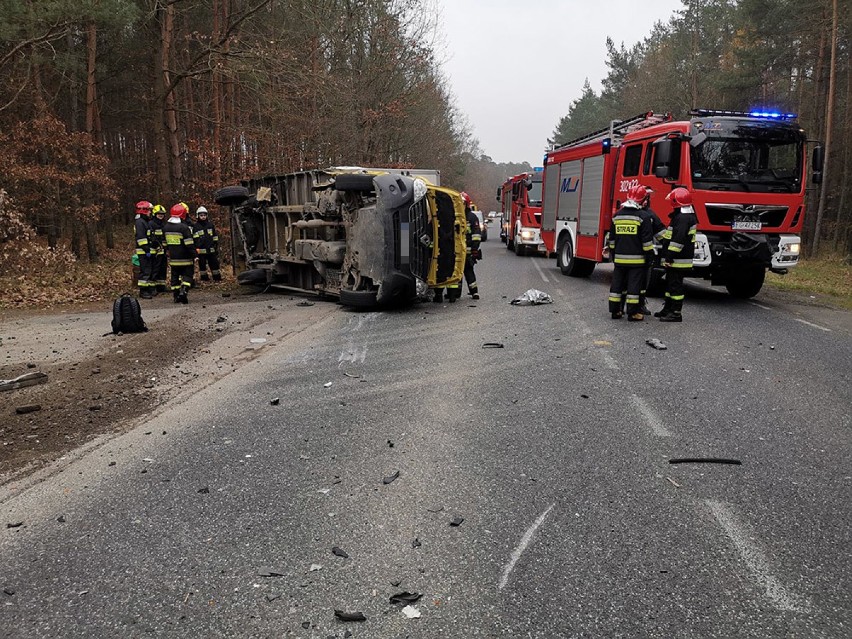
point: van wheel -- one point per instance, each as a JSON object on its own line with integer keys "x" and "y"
{"x": 358, "y": 299}
{"x": 354, "y": 182}
{"x": 231, "y": 195}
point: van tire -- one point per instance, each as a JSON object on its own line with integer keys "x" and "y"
{"x": 357, "y": 182}
{"x": 358, "y": 299}
{"x": 231, "y": 195}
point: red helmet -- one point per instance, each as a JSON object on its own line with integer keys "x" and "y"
{"x": 179, "y": 210}
{"x": 144, "y": 205}
{"x": 465, "y": 198}
{"x": 680, "y": 197}
{"x": 637, "y": 193}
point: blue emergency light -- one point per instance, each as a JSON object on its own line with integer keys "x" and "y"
{"x": 606, "y": 145}
{"x": 766, "y": 115}
{"x": 538, "y": 169}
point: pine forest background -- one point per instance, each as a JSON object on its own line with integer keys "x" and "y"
{"x": 106, "y": 102}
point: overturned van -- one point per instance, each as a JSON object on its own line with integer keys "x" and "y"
{"x": 368, "y": 237}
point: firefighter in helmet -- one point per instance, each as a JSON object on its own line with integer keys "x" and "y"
{"x": 473, "y": 237}
{"x": 181, "y": 250}
{"x": 678, "y": 251}
{"x": 642, "y": 195}
{"x": 206, "y": 245}
{"x": 143, "y": 248}
{"x": 158, "y": 243}
{"x": 630, "y": 242}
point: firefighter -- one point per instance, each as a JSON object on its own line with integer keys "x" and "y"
{"x": 158, "y": 243}
{"x": 206, "y": 245}
{"x": 181, "y": 251}
{"x": 630, "y": 241}
{"x": 473, "y": 237}
{"x": 642, "y": 194}
{"x": 143, "y": 248}
{"x": 678, "y": 251}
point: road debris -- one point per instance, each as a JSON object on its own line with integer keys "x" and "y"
{"x": 411, "y": 612}
{"x": 492, "y": 345}
{"x": 204, "y": 491}
{"x": 29, "y": 408}
{"x": 258, "y": 340}
{"x": 339, "y": 552}
{"x": 16, "y": 524}
{"x": 275, "y": 401}
{"x": 327, "y": 385}
{"x": 27, "y": 379}
{"x": 405, "y": 597}
{"x": 391, "y": 478}
{"x": 351, "y": 375}
{"x": 315, "y": 567}
{"x": 532, "y": 297}
{"x": 416, "y": 543}
{"x": 705, "y": 460}
{"x": 456, "y": 522}
{"x": 673, "y": 482}
{"x": 349, "y": 616}
{"x": 655, "y": 343}
{"x": 269, "y": 572}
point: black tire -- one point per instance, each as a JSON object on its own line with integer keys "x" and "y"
{"x": 520, "y": 249}
{"x": 565, "y": 254}
{"x": 746, "y": 283}
{"x": 358, "y": 299}
{"x": 354, "y": 182}
{"x": 231, "y": 195}
{"x": 252, "y": 277}
{"x": 582, "y": 268}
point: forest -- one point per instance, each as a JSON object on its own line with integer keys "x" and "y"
{"x": 105, "y": 102}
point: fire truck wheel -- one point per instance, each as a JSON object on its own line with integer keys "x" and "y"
{"x": 358, "y": 299}
{"x": 747, "y": 284}
{"x": 565, "y": 255}
{"x": 354, "y": 182}
{"x": 520, "y": 249}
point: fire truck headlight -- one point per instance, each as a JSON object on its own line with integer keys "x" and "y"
{"x": 527, "y": 235}
{"x": 793, "y": 247}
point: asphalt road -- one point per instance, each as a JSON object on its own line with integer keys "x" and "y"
{"x": 552, "y": 454}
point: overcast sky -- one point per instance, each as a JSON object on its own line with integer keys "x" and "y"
{"x": 514, "y": 67}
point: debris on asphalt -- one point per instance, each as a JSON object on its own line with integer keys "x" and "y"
{"x": 9, "y": 591}
{"x": 351, "y": 375}
{"x": 204, "y": 491}
{"x": 305, "y": 303}
{"x": 416, "y": 543}
{"x": 531, "y": 298}
{"x": 61, "y": 519}
{"x": 315, "y": 567}
{"x": 435, "y": 509}
{"x": 411, "y": 612}
{"x": 673, "y": 482}
{"x": 391, "y": 478}
{"x": 221, "y": 319}
{"x": 269, "y": 572}
{"x": 706, "y": 460}
{"x": 390, "y": 444}
{"x": 349, "y": 616}
{"x": 275, "y": 401}
{"x": 29, "y": 408}
{"x": 456, "y": 522}
{"x": 27, "y": 379}
{"x": 340, "y": 552}
{"x": 405, "y": 597}
{"x": 327, "y": 385}
{"x": 492, "y": 345}
{"x": 272, "y": 596}
{"x": 16, "y": 524}
{"x": 258, "y": 340}
{"x": 655, "y": 343}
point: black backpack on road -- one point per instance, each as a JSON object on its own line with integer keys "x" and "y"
{"x": 127, "y": 315}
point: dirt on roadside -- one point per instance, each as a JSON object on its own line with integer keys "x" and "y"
{"x": 100, "y": 383}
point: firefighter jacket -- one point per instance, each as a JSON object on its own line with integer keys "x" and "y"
{"x": 657, "y": 226}
{"x": 631, "y": 238}
{"x": 473, "y": 233}
{"x": 143, "y": 235}
{"x": 157, "y": 238}
{"x": 179, "y": 243}
{"x": 206, "y": 238}
{"x": 679, "y": 239}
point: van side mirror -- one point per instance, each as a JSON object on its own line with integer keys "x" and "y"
{"x": 817, "y": 163}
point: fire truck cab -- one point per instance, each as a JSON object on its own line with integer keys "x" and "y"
{"x": 746, "y": 173}
{"x": 520, "y": 199}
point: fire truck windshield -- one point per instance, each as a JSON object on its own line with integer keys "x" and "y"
{"x": 739, "y": 155}
{"x": 534, "y": 194}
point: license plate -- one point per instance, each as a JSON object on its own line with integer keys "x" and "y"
{"x": 746, "y": 224}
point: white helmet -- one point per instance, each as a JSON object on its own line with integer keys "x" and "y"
{"x": 200, "y": 210}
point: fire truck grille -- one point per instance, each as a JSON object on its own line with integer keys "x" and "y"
{"x": 725, "y": 214}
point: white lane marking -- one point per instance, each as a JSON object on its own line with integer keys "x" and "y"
{"x": 765, "y": 308}
{"x": 756, "y": 561}
{"x": 540, "y": 272}
{"x": 822, "y": 328}
{"x": 651, "y": 418}
{"x": 525, "y": 541}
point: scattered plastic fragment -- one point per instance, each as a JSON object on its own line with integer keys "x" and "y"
{"x": 340, "y": 552}
{"x": 405, "y": 597}
{"x": 349, "y": 616}
{"x": 416, "y": 543}
{"x": 411, "y": 612}
{"x": 435, "y": 509}
{"x": 269, "y": 572}
{"x": 531, "y": 298}
{"x": 351, "y": 375}
{"x": 275, "y": 401}
{"x": 673, "y": 482}
{"x": 61, "y": 519}
{"x": 204, "y": 491}
{"x": 16, "y": 524}
{"x": 457, "y": 521}
{"x": 492, "y": 345}
{"x": 327, "y": 385}
{"x": 272, "y": 596}
{"x": 655, "y": 343}
{"x": 305, "y": 303}
{"x": 391, "y": 478}
{"x": 258, "y": 340}
{"x": 315, "y": 567}
{"x": 705, "y": 460}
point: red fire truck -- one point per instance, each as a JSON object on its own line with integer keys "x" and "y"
{"x": 520, "y": 197}
{"x": 746, "y": 173}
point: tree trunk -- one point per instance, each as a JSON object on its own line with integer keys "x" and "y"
{"x": 844, "y": 171}
{"x": 93, "y": 117}
{"x": 91, "y": 242}
{"x": 829, "y": 108}
{"x": 75, "y": 237}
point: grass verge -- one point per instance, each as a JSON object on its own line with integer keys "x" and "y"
{"x": 829, "y": 277}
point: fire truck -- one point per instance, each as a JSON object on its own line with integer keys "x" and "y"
{"x": 746, "y": 172}
{"x": 520, "y": 197}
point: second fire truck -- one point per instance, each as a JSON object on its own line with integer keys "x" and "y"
{"x": 746, "y": 173}
{"x": 520, "y": 199}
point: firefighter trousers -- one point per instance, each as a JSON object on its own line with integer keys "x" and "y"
{"x": 627, "y": 283}
{"x": 146, "y": 273}
{"x": 212, "y": 259}
{"x": 674, "y": 289}
{"x": 470, "y": 276}
{"x": 181, "y": 279}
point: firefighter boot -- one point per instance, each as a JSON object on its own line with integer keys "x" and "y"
{"x": 635, "y": 317}
{"x": 667, "y": 307}
{"x": 671, "y": 316}
{"x": 438, "y": 298}
{"x": 145, "y": 293}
